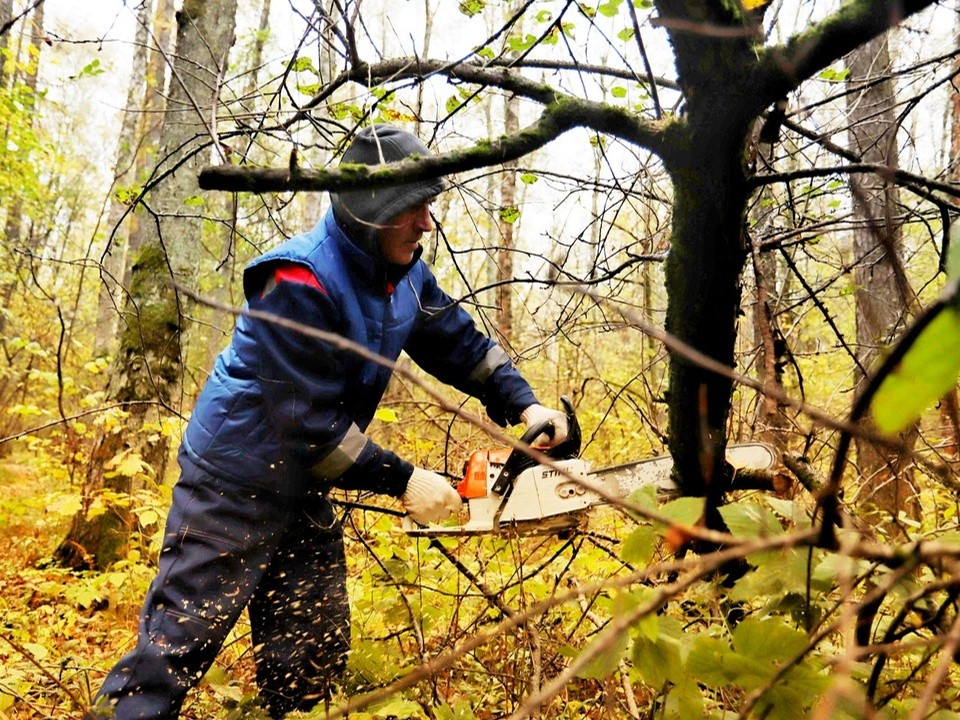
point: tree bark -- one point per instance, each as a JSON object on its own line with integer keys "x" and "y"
{"x": 221, "y": 324}
{"x": 6, "y": 15}
{"x": 148, "y": 366}
{"x": 13, "y": 227}
{"x": 505, "y": 251}
{"x": 114, "y": 256}
{"x": 882, "y": 297}
{"x": 771, "y": 417}
{"x": 154, "y": 102}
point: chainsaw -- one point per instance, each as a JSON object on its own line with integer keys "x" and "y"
{"x": 506, "y": 491}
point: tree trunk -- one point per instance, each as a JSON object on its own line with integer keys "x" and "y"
{"x": 882, "y": 295}
{"x": 508, "y": 201}
{"x": 950, "y": 407}
{"x": 703, "y": 271}
{"x": 706, "y": 162}
{"x": 13, "y": 227}
{"x": 154, "y": 102}
{"x": 148, "y": 366}
{"x": 221, "y": 324}
{"x": 112, "y": 267}
{"x": 771, "y": 418}
{"x": 6, "y": 15}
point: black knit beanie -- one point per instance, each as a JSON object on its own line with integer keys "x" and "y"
{"x": 361, "y": 212}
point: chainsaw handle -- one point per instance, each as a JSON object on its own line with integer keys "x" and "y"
{"x": 520, "y": 461}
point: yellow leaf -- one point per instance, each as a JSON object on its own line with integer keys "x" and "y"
{"x": 128, "y": 464}
{"x": 65, "y": 505}
{"x": 386, "y": 415}
{"x": 753, "y": 4}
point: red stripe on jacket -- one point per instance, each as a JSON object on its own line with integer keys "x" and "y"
{"x": 296, "y": 274}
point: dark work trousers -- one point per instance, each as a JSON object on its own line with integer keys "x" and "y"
{"x": 226, "y": 547}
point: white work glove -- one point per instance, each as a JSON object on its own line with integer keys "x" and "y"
{"x": 429, "y": 497}
{"x": 537, "y": 414}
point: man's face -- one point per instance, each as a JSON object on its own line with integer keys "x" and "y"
{"x": 400, "y": 237}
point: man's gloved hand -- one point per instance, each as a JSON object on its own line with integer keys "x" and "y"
{"x": 537, "y": 414}
{"x": 429, "y": 497}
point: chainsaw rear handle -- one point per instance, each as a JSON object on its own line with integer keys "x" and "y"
{"x": 518, "y": 461}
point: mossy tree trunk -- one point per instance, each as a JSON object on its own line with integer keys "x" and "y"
{"x": 146, "y": 372}
{"x": 706, "y": 161}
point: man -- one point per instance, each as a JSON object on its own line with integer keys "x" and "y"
{"x": 280, "y": 421}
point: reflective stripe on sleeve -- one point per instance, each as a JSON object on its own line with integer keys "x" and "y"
{"x": 494, "y": 358}
{"x": 343, "y": 456}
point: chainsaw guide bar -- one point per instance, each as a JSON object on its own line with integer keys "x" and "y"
{"x": 507, "y": 493}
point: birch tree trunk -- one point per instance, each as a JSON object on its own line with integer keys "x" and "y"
{"x": 147, "y": 370}
{"x": 13, "y": 227}
{"x": 6, "y": 15}
{"x": 505, "y": 222}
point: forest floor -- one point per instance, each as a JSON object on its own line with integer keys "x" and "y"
{"x": 63, "y": 630}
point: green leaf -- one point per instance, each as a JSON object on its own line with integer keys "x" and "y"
{"x": 709, "y": 661}
{"x": 625, "y": 603}
{"x": 832, "y": 75}
{"x": 453, "y": 103}
{"x": 303, "y": 64}
{"x": 528, "y": 178}
{"x": 127, "y": 195}
{"x": 509, "y": 214}
{"x": 626, "y": 34}
{"x": 685, "y": 700}
{"x": 472, "y": 7}
{"x": 610, "y": 8}
{"x": 775, "y": 574}
{"x": 639, "y": 546}
{"x": 606, "y": 661}
{"x": 486, "y": 52}
{"x": 398, "y": 708}
{"x": 749, "y": 519}
{"x": 645, "y": 497}
{"x": 544, "y": 16}
{"x": 618, "y": 91}
{"x": 768, "y": 640}
{"x": 685, "y": 510}
{"x": 518, "y": 45}
{"x": 91, "y": 69}
{"x": 658, "y": 662}
{"x": 928, "y": 370}
{"x": 342, "y": 111}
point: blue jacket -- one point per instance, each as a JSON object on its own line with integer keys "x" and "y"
{"x": 282, "y": 409}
